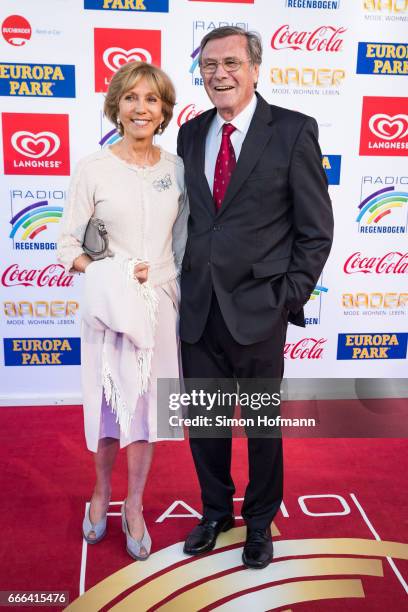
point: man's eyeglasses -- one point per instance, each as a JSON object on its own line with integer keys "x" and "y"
{"x": 230, "y": 64}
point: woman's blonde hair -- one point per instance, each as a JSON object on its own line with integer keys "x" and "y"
{"x": 126, "y": 77}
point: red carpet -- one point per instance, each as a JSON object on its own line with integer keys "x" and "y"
{"x": 326, "y": 562}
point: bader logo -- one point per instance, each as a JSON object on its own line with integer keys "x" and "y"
{"x": 114, "y": 48}
{"x": 16, "y": 30}
{"x": 36, "y": 144}
{"x": 382, "y": 58}
{"x": 153, "y": 6}
{"x": 376, "y": 208}
{"x": 332, "y": 167}
{"x": 384, "y": 126}
{"x": 310, "y": 81}
{"x": 375, "y": 303}
{"x": 41, "y": 312}
{"x": 372, "y": 346}
{"x": 44, "y": 80}
{"x": 386, "y": 6}
{"x": 42, "y": 351}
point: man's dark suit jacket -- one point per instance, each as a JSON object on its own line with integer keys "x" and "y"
{"x": 264, "y": 250}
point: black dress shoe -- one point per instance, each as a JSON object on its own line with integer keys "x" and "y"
{"x": 258, "y": 549}
{"x": 204, "y": 536}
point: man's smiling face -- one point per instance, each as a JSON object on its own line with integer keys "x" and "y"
{"x": 230, "y": 92}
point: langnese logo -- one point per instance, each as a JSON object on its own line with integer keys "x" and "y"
{"x": 42, "y": 351}
{"x": 382, "y": 58}
{"x": 327, "y": 5}
{"x": 41, "y": 312}
{"x": 200, "y": 29}
{"x": 36, "y": 144}
{"x": 323, "y": 39}
{"x": 372, "y": 346}
{"x": 384, "y": 211}
{"x": 384, "y": 126}
{"x": 375, "y": 303}
{"x": 306, "y": 348}
{"x": 114, "y": 48}
{"x": 33, "y": 218}
{"x": 394, "y": 262}
{"x": 152, "y": 6}
{"x": 304, "y": 80}
{"x": 332, "y": 167}
{"x": 16, "y": 30}
{"x": 313, "y": 308}
{"x": 37, "y": 80}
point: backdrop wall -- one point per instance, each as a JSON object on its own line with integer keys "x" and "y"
{"x": 342, "y": 61}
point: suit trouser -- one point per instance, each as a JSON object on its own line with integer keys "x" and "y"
{"x": 218, "y": 355}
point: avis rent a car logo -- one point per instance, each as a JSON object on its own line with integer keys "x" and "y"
{"x": 114, "y": 48}
{"x": 384, "y": 126}
{"x": 35, "y": 144}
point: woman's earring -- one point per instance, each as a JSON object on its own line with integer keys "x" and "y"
{"x": 160, "y": 129}
{"x": 118, "y": 124}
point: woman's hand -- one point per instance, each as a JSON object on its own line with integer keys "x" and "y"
{"x": 140, "y": 272}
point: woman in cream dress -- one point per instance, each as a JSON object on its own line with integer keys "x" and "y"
{"x": 137, "y": 189}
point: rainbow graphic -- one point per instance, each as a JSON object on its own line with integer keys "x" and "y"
{"x": 34, "y": 219}
{"x": 194, "y": 57}
{"x": 110, "y": 138}
{"x": 317, "y": 291}
{"x": 380, "y": 204}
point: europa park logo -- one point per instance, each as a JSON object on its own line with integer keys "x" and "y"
{"x": 384, "y": 126}
{"x": 114, "y": 48}
{"x": 36, "y": 144}
{"x": 322, "y": 39}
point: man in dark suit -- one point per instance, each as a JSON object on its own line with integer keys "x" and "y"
{"x": 260, "y": 231}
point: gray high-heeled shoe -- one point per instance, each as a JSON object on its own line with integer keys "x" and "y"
{"x": 133, "y": 546}
{"x": 99, "y": 528}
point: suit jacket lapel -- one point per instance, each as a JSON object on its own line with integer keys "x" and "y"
{"x": 258, "y": 135}
{"x": 199, "y": 158}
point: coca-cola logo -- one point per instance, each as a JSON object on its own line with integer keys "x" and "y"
{"x": 53, "y": 275}
{"x": 306, "y": 348}
{"x": 389, "y": 128}
{"x": 115, "y": 57}
{"x": 188, "y": 112}
{"x": 323, "y": 38}
{"x": 393, "y": 262}
{"x": 43, "y": 144}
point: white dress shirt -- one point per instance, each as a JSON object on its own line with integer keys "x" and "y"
{"x": 213, "y": 140}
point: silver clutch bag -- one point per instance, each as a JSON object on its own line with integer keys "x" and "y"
{"x": 96, "y": 240}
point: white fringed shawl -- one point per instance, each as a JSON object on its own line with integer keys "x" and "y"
{"x": 125, "y": 310}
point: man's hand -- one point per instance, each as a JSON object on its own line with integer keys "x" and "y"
{"x": 140, "y": 272}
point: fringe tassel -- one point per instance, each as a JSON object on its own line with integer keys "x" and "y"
{"x": 113, "y": 396}
{"x": 124, "y": 414}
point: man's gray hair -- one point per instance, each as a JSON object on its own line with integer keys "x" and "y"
{"x": 253, "y": 40}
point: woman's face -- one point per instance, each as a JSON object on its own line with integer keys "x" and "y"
{"x": 140, "y": 111}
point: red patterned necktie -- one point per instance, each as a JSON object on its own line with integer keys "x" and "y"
{"x": 224, "y": 165}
